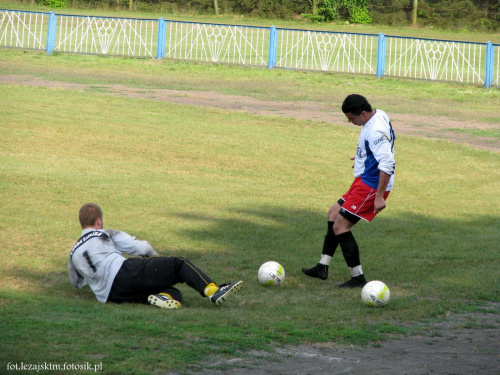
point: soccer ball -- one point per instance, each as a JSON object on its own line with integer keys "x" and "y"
{"x": 271, "y": 273}
{"x": 375, "y": 294}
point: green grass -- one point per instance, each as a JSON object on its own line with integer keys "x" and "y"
{"x": 455, "y": 101}
{"x": 492, "y": 133}
{"x": 228, "y": 190}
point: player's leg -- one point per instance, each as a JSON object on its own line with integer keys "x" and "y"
{"x": 359, "y": 204}
{"x": 138, "y": 279}
{"x": 330, "y": 244}
{"x": 134, "y": 283}
{"x": 350, "y": 250}
{"x": 186, "y": 272}
{"x": 164, "y": 272}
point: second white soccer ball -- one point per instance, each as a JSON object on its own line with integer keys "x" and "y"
{"x": 271, "y": 273}
{"x": 375, "y": 294}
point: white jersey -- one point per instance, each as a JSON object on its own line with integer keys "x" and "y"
{"x": 375, "y": 150}
{"x": 97, "y": 257}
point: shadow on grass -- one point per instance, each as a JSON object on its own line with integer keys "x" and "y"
{"x": 402, "y": 249}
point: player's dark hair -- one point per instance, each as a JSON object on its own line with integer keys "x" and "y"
{"x": 89, "y": 213}
{"x": 356, "y": 104}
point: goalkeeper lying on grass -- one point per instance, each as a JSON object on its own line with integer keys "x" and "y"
{"x": 97, "y": 260}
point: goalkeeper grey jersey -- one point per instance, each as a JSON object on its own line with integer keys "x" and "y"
{"x": 97, "y": 257}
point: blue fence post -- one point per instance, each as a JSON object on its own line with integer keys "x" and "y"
{"x": 381, "y": 55}
{"x": 162, "y": 36}
{"x": 273, "y": 47}
{"x": 51, "y": 33}
{"x": 488, "y": 69}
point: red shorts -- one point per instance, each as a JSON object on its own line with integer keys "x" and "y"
{"x": 358, "y": 202}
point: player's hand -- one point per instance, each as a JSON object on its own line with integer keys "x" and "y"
{"x": 153, "y": 254}
{"x": 379, "y": 204}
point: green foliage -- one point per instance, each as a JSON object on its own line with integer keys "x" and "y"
{"x": 481, "y": 15}
{"x": 55, "y": 4}
{"x": 448, "y": 14}
{"x": 359, "y": 15}
{"x": 452, "y": 15}
{"x": 281, "y": 9}
{"x": 326, "y": 12}
{"x": 353, "y": 11}
{"x": 329, "y": 10}
{"x": 390, "y": 12}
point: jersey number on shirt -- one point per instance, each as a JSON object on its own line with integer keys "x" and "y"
{"x": 91, "y": 265}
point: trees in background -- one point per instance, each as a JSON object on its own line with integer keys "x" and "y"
{"x": 353, "y": 11}
{"x": 471, "y": 14}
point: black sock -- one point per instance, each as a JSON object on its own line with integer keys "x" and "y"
{"x": 330, "y": 243}
{"x": 349, "y": 248}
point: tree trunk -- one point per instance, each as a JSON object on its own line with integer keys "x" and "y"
{"x": 414, "y": 13}
{"x": 314, "y": 6}
{"x": 130, "y": 4}
{"x": 216, "y": 6}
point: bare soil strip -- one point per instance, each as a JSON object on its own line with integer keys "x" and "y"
{"x": 431, "y": 127}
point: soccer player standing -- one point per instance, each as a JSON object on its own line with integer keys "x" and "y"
{"x": 374, "y": 166}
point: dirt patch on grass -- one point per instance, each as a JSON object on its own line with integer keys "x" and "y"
{"x": 431, "y": 127}
{"x": 461, "y": 344}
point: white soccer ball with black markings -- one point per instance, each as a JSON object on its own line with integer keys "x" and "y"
{"x": 271, "y": 273}
{"x": 375, "y": 294}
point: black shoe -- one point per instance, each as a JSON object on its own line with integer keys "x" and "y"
{"x": 355, "y": 282}
{"x": 319, "y": 271}
{"x": 225, "y": 290}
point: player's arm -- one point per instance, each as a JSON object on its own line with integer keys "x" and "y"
{"x": 130, "y": 245}
{"x": 383, "y": 181}
{"x": 74, "y": 276}
{"x": 383, "y": 153}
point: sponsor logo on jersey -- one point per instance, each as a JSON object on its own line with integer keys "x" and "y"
{"x": 85, "y": 238}
{"x": 377, "y": 141}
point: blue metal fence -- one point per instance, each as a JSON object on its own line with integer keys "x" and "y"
{"x": 380, "y": 55}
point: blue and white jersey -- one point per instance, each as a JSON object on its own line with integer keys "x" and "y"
{"x": 98, "y": 256}
{"x": 375, "y": 151}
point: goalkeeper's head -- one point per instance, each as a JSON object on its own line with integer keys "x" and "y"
{"x": 90, "y": 216}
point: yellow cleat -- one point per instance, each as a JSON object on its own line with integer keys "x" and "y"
{"x": 164, "y": 301}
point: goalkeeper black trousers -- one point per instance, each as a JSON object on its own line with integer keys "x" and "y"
{"x": 138, "y": 278}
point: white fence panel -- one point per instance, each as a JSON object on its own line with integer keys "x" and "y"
{"x": 326, "y": 51}
{"x": 435, "y": 60}
{"x": 427, "y": 59}
{"x": 217, "y": 43}
{"x": 23, "y": 29}
{"x": 106, "y": 36}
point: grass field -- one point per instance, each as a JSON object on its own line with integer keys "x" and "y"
{"x": 229, "y": 190}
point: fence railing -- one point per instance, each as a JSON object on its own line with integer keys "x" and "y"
{"x": 106, "y": 36}
{"x": 436, "y": 60}
{"x": 327, "y": 51}
{"x": 380, "y": 55}
{"x": 243, "y": 45}
{"x": 25, "y": 30}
